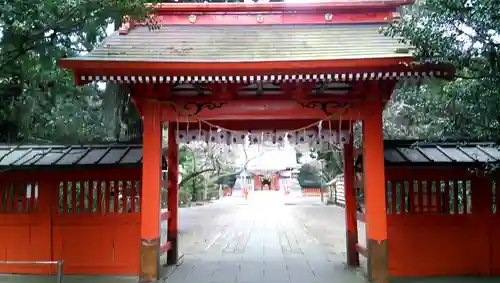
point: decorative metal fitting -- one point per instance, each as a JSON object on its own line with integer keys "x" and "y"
{"x": 192, "y": 19}
{"x": 260, "y": 18}
{"x": 328, "y": 17}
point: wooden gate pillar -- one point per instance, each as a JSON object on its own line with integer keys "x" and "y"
{"x": 150, "y": 195}
{"x": 173, "y": 194}
{"x": 276, "y": 181}
{"x": 256, "y": 182}
{"x": 482, "y": 213}
{"x": 375, "y": 192}
{"x": 350, "y": 205}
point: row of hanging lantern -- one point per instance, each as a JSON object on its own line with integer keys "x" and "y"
{"x": 308, "y": 136}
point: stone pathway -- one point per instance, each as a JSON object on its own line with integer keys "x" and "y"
{"x": 261, "y": 241}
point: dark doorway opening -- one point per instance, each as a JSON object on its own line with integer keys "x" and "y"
{"x": 266, "y": 184}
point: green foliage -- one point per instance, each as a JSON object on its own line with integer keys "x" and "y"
{"x": 333, "y": 163}
{"x": 309, "y": 176}
{"x": 461, "y": 110}
{"x": 227, "y": 180}
{"x": 38, "y": 100}
{"x": 462, "y": 33}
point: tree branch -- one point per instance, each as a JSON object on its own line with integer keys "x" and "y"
{"x": 194, "y": 175}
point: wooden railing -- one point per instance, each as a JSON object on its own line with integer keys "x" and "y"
{"x": 99, "y": 196}
{"x": 311, "y": 192}
{"x": 18, "y": 197}
{"x": 165, "y": 244}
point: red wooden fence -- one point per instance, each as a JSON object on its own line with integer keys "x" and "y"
{"x": 442, "y": 225}
{"x": 90, "y": 219}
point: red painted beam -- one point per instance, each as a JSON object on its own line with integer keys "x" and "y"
{"x": 354, "y": 17}
{"x": 245, "y": 125}
{"x": 278, "y": 7}
{"x": 341, "y": 98}
{"x": 303, "y": 92}
{"x": 259, "y": 110}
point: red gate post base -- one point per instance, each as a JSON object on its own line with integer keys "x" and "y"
{"x": 173, "y": 252}
{"x": 150, "y": 261}
{"x": 378, "y": 268}
{"x": 352, "y": 253}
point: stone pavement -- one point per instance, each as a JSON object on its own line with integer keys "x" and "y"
{"x": 261, "y": 241}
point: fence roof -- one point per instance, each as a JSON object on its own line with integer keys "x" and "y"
{"x": 22, "y": 157}
{"x": 397, "y": 153}
{"x": 444, "y": 154}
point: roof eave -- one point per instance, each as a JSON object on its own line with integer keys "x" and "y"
{"x": 92, "y": 67}
{"x": 105, "y": 64}
{"x": 278, "y": 7}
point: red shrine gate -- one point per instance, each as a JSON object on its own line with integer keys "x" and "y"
{"x": 232, "y": 72}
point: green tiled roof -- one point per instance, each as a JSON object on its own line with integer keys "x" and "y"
{"x": 249, "y": 44}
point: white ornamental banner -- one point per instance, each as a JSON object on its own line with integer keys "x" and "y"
{"x": 238, "y": 138}
{"x": 310, "y": 137}
{"x": 268, "y": 136}
{"x": 255, "y": 137}
{"x": 306, "y": 136}
{"x": 188, "y": 136}
{"x": 280, "y": 137}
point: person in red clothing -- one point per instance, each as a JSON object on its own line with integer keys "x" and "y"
{"x": 245, "y": 193}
